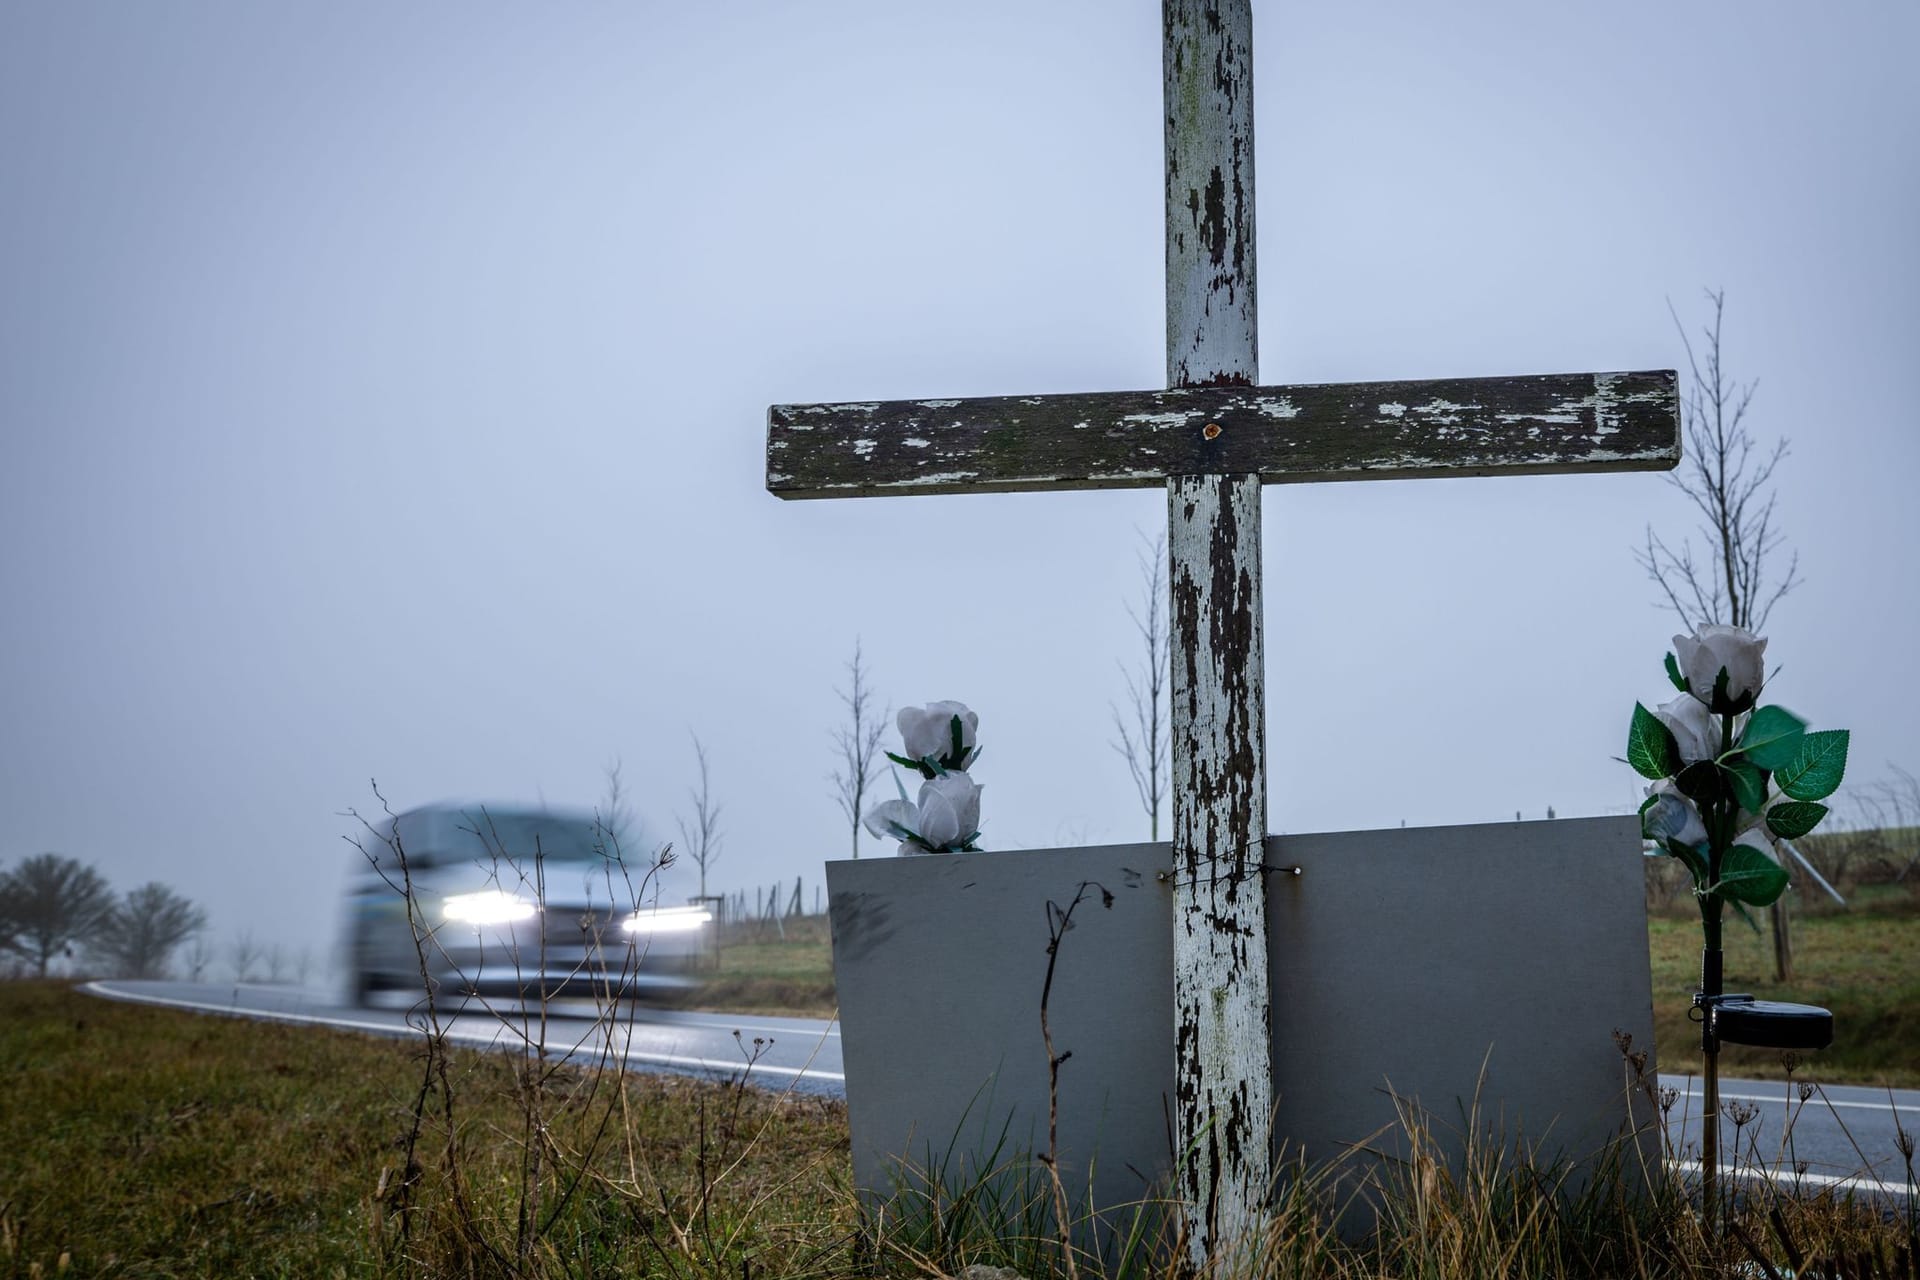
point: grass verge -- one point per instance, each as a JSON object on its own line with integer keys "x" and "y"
{"x": 145, "y": 1142}
{"x": 1864, "y": 965}
{"x": 153, "y": 1143}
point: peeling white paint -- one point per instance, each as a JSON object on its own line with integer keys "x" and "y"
{"x": 1279, "y": 408}
{"x": 1222, "y": 1003}
{"x": 1393, "y": 410}
{"x": 1441, "y": 410}
{"x": 939, "y": 404}
{"x": 916, "y": 442}
{"x": 863, "y": 449}
{"x": 1158, "y": 421}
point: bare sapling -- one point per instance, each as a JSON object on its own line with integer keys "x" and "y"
{"x": 586, "y": 1077}
{"x": 856, "y": 745}
{"x": 700, "y": 831}
{"x": 1728, "y": 478}
{"x": 1059, "y": 921}
{"x": 1141, "y": 732}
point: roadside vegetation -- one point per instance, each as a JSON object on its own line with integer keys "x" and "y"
{"x": 154, "y": 1143}
{"x": 148, "y": 1142}
{"x": 231, "y": 1147}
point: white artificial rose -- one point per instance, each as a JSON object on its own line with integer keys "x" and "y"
{"x": 1713, "y": 648}
{"x": 928, "y": 731}
{"x": 886, "y": 821}
{"x": 1672, "y": 817}
{"x": 949, "y": 810}
{"x": 1695, "y": 729}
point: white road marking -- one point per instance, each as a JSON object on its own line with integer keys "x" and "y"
{"x": 454, "y": 1033}
{"x": 1852, "y": 1182}
{"x": 1816, "y": 1100}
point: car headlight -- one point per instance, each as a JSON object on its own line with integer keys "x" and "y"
{"x": 493, "y": 906}
{"x": 667, "y": 920}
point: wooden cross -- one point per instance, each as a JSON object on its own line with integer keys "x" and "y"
{"x": 1213, "y": 439}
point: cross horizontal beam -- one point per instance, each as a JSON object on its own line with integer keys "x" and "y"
{"x": 1552, "y": 424}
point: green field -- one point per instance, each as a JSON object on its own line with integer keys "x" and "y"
{"x": 758, "y": 971}
{"x": 1864, "y": 965}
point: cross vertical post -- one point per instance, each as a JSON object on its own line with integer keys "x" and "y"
{"x": 1223, "y": 1077}
{"x": 1212, "y": 439}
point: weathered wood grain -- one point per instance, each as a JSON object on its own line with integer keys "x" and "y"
{"x": 1555, "y": 423}
{"x": 1222, "y": 1011}
{"x": 1222, "y": 1034}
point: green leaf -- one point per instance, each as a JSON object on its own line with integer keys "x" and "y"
{"x": 1673, "y": 674}
{"x": 1648, "y": 803}
{"x": 1651, "y": 749}
{"x": 1690, "y": 859}
{"x": 1793, "y": 820}
{"x": 1815, "y": 771}
{"x": 1772, "y": 737}
{"x": 1750, "y": 876}
{"x": 1749, "y": 784}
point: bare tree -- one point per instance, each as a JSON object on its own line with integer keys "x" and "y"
{"x": 140, "y": 932}
{"x": 199, "y": 956}
{"x": 47, "y": 904}
{"x": 617, "y": 825}
{"x": 1901, "y": 795}
{"x": 1143, "y": 734}
{"x": 1728, "y": 478}
{"x": 243, "y": 953}
{"x": 858, "y": 744}
{"x": 701, "y": 833}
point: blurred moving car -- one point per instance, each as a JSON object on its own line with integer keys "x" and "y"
{"x": 510, "y": 903}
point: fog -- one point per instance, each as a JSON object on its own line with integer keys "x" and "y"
{"x": 383, "y": 394}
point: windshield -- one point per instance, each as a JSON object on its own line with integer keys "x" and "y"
{"x": 443, "y": 836}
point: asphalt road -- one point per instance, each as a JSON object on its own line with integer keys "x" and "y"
{"x": 1841, "y": 1136}
{"x": 775, "y": 1052}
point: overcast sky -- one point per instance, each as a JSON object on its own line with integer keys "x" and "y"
{"x": 383, "y": 395}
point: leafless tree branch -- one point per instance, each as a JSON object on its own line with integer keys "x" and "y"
{"x": 857, "y": 744}
{"x": 1727, "y": 479}
{"x": 1142, "y": 737}
{"x": 700, "y": 834}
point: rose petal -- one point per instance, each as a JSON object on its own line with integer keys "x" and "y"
{"x": 887, "y": 820}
